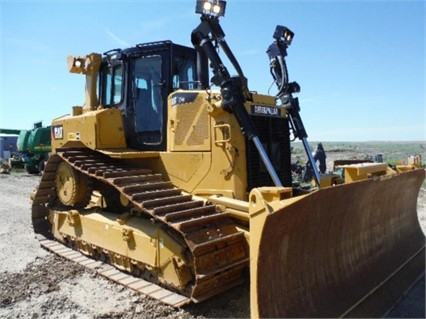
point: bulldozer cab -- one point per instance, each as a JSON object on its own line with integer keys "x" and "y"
{"x": 138, "y": 81}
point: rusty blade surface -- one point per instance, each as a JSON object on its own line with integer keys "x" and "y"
{"x": 350, "y": 250}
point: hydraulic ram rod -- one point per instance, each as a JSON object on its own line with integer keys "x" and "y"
{"x": 266, "y": 161}
{"x": 311, "y": 160}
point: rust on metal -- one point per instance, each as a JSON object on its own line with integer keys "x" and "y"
{"x": 348, "y": 250}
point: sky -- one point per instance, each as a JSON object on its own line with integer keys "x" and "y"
{"x": 360, "y": 64}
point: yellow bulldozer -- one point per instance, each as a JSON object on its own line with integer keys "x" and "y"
{"x": 176, "y": 187}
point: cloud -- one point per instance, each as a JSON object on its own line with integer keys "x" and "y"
{"x": 117, "y": 39}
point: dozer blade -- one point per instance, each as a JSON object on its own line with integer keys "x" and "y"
{"x": 345, "y": 251}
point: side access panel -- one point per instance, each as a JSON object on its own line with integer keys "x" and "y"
{"x": 351, "y": 250}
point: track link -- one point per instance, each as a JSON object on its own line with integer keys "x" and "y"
{"x": 219, "y": 252}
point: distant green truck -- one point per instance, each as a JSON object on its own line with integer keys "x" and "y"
{"x": 33, "y": 147}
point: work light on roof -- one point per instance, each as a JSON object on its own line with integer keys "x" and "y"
{"x": 212, "y": 8}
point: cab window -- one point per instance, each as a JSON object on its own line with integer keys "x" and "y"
{"x": 184, "y": 75}
{"x": 112, "y": 85}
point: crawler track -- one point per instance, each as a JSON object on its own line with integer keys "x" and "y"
{"x": 219, "y": 252}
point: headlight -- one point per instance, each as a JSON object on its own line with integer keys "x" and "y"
{"x": 207, "y": 6}
{"x": 283, "y": 34}
{"x": 76, "y": 64}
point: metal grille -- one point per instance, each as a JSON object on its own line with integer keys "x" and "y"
{"x": 275, "y": 137}
{"x": 193, "y": 126}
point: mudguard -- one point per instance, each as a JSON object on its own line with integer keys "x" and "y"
{"x": 345, "y": 251}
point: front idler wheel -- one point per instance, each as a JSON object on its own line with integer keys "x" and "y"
{"x": 72, "y": 187}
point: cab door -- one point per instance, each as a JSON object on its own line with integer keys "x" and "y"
{"x": 147, "y": 103}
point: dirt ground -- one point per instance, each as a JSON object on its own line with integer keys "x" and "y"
{"x": 37, "y": 284}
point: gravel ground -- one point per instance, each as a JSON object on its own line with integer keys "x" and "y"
{"x": 37, "y": 284}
